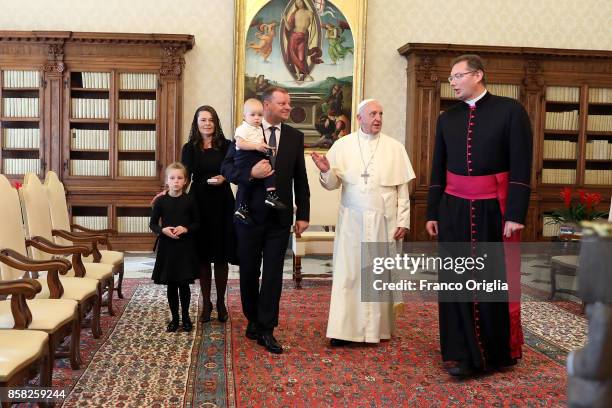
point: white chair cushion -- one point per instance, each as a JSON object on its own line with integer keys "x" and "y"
{"x": 314, "y": 242}
{"x": 108, "y": 257}
{"x": 74, "y": 288}
{"x": 47, "y": 314}
{"x": 97, "y": 271}
{"x": 19, "y": 349}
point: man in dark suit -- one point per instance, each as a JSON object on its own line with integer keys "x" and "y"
{"x": 267, "y": 237}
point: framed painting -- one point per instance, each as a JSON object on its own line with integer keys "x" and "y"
{"x": 312, "y": 48}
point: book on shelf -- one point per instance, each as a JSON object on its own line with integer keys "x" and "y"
{"x": 21, "y": 138}
{"x": 600, "y": 95}
{"x": 137, "y": 140}
{"x": 559, "y": 149}
{"x": 21, "y": 107}
{"x": 20, "y": 166}
{"x": 95, "y": 80}
{"x": 601, "y": 177}
{"x": 89, "y": 139}
{"x": 92, "y": 222}
{"x": 83, "y": 108}
{"x": 558, "y": 176}
{"x": 599, "y": 123}
{"x": 569, "y": 94}
{"x": 598, "y": 150}
{"x": 21, "y": 79}
{"x": 137, "y": 109}
{"x": 140, "y": 81}
{"x": 137, "y": 168}
{"x": 567, "y": 120}
{"x": 97, "y": 168}
{"x": 133, "y": 225}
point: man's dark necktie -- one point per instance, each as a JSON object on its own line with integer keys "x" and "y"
{"x": 272, "y": 143}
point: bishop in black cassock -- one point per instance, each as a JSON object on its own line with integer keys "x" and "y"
{"x": 479, "y": 192}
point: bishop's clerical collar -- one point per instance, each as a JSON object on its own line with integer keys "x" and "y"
{"x": 472, "y": 102}
{"x": 367, "y": 136}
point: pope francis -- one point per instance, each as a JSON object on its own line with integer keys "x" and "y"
{"x": 374, "y": 171}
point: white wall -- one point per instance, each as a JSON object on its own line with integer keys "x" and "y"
{"x": 390, "y": 24}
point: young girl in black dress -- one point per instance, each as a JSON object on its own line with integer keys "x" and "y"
{"x": 176, "y": 264}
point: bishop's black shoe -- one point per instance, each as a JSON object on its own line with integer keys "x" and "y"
{"x": 462, "y": 369}
{"x": 339, "y": 342}
{"x": 242, "y": 215}
{"x": 251, "y": 331}
{"x": 270, "y": 343}
{"x": 272, "y": 200}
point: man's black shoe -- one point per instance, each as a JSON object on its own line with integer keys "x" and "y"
{"x": 339, "y": 342}
{"x": 243, "y": 216}
{"x": 272, "y": 200}
{"x": 251, "y": 331}
{"x": 270, "y": 343}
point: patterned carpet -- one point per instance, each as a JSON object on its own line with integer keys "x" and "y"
{"x": 137, "y": 364}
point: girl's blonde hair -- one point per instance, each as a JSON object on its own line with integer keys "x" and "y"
{"x": 178, "y": 166}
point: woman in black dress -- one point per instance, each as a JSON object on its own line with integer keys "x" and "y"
{"x": 215, "y": 242}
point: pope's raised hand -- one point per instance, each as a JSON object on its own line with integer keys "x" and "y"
{"x": 320, "y": 161}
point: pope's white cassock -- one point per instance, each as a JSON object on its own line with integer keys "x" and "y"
{"x": 374, "y": 171}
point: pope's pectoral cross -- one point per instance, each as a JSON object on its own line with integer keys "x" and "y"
{"x": 365, "y": 176}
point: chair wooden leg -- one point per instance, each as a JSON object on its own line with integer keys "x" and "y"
{"x": 75, "y": 343}
{"x": 110, "y": 284}
{"x": 46, "y": 368}
{"x": 297, "y": 271}
{"x": 120, "y": 281}
{"x": 96, "y": 330}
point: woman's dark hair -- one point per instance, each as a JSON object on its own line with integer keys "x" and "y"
{"x": 195, "y": 138}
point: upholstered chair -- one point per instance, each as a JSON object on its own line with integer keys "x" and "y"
{"x": 12, "y": 238}
{"x": 37, "y": 220}
{"x": 319, "y": 238}
{"x": 25, "y": 353}
{"x": 60, "y": 220}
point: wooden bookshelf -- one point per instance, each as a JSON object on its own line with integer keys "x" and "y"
{"x": 109, "y": 117}
{"x": 568, "y": 96}
{"x": 22, "y": 150}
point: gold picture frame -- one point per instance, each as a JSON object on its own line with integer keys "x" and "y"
{"x": 313, "y": 48}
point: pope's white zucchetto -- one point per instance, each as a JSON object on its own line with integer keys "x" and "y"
{"x": 363, "y": 103}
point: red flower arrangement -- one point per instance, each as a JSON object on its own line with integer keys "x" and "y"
{"x": 574, "y": 212}
{"x": 17, "y": 185}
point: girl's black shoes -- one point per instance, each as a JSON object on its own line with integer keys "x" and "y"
{"x": 172, "y": 326}
{"x": 187, "y": 325}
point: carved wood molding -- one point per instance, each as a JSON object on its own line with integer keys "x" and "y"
{"x": 483, "y": 50}
{"x": 534, "y": 79}
{"x": 185, "y": 41}
{"x": 425, "y": 73}
{"x": 173, "y": 62}
{"x": 55, "y": 59}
